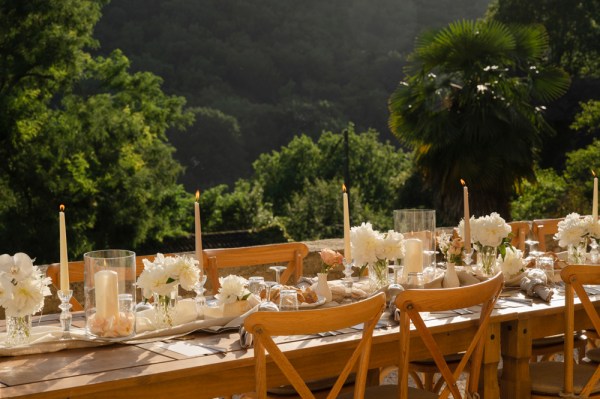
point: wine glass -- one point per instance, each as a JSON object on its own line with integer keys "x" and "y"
{"x": 278, "y": 270}
{"x": 267, "y": 304}
{"x": 396, "y": 269}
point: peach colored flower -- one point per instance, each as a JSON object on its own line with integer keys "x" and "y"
{"x": 330, "y": 259}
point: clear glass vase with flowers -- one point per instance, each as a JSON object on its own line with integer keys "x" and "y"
{"x": 375, "y": 249}
{"x": 23, "y": 287}
{"x": 574, "y": 233}
{"x": 491, "y": 235}
{"x": 161, "y": 279}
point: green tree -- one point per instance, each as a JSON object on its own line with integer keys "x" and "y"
{"x": 84, "y": 132}
{"x": 470, "y": 107}
{"x": 572, "y": 27}
{"x": 300, "y": 187}
{"x": 547, "y": 197}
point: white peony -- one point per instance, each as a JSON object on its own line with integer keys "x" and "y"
{"x": 164, "y": 273}
{"x": 513, "y": 262}
{"x": 22, "y": 285}
{"x": 571, "y": 230}
{"x": 233, "y": 288}
{"x": 365, "y": 243}
{"x": 392, "y": 246}
{"x": 489, "y": 230}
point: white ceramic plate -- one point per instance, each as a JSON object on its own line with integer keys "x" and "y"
{"x": 305, "y": 305}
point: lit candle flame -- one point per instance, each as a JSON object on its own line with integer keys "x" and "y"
{"x": 462, "y": 182}
{"x": 197, "y": 195}
{"x": 593, "y": 173}
{"x": 61, "y": 208}
{"x": 343, "y": 187}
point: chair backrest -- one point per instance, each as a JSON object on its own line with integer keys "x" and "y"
{"x": 520, "y": 230}
{"x": 265, "y": 325}
{"x": 542, "y": 228}
{"x": 76, "y": 274}
{"x": 575, "y": 277}
{"x": 411, "y": 302}
{"x": 292, "y": 253}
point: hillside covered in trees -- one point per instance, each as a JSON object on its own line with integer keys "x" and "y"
{"x": 261, "y": 72}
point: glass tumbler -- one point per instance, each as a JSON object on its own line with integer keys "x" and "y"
{"x": 546, "y": 263}
{"x": 288, "y": 300}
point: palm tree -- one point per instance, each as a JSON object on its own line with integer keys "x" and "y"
{"x": 471, "y": 108}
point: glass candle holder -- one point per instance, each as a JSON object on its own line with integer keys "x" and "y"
{"x": 109, "y": 288}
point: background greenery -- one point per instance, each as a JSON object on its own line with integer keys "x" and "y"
{"x": 122, "y": 110}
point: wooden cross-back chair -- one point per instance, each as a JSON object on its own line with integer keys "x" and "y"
{"x": 520, "y": 230}
{"x": 410, "y": 303}
{"x": 578, "y": 380}
{"x": 265, "y": 325}
{"x": 76, "y": 274}
{"x": 542, "y": 228}
{"x": 292, "y": 253}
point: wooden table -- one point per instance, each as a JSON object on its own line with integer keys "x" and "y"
{"x": 150, "y": 370}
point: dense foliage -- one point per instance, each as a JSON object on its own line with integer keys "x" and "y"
{"x": 272, "y": 69}
{"x": 300, "y": 186}
{"x": 470, "y": 108}
{"x": 81, "y": 131}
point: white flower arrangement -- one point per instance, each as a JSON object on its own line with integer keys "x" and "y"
{"x": 370, "y": 246}
{"x": 163, "y": 274}
{"x": 490, "y": 230}
{"x": 233, "y": 289}
{"x": 574, "y": 228}
{"x": 512, "y": 263}
{"x": 22, "y": 285}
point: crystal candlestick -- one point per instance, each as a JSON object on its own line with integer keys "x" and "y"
{"x": 65, "y": 315}
{"x": 348, "y": 282}
{"x": 468, "y": 259}
{"x": 200, "y": 299}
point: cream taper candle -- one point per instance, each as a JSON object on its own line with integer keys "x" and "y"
{"x": 106, "y": 285}
{"x": 64, "y": 258}
{"x": 347, "y": 250}
{"x": 198, "y": 232}
{"x": 467, "y": 217}
{"x": 595, "y": 199}
{"x": 413, "y": 255}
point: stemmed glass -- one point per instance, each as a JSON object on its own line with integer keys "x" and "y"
{"x": 278, "y": 270}
{"x": 396, "y": 270}
{"x": 267, "y": 304}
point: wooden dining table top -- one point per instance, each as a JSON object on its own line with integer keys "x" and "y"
{"x": 209, "y": 365}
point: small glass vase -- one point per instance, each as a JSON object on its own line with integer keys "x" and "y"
{"x": 488, "y": 258}
{"x": 576, "y": 254}
{"x": 18, "y": 330}
{"x": 165, "y": 309}
{"x": 378, "y": 275}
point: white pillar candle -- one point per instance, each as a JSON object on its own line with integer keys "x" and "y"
{"x": 595, "y": 199}
{"x": 413, "y": 255}
{"x": 198, "y": 232}
{"x": 106, "y": 284}
{"x": 64, "y": 259}
{"x": 347, "y": 250}
{"x": 467, "y": 218}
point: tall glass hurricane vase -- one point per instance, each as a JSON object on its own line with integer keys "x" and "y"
{"x": 488, "y": 260}
{"x": 378, "y": 275}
